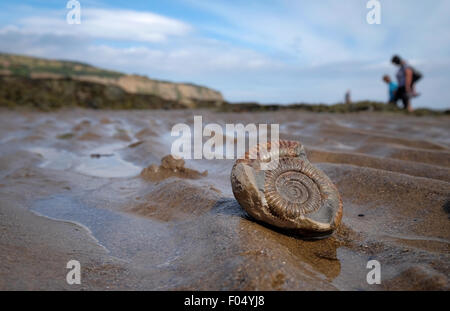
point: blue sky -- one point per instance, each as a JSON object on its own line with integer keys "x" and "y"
{"x": 283, "y": 51}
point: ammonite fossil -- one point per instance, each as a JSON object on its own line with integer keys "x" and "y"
{"x": 291, "y": 195}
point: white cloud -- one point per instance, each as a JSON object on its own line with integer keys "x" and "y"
{"x": 327, "y": 31}
{"x": 113, "y": 24}
{"x": 296, "y": 30}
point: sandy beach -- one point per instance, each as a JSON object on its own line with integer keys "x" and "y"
{"x": 77, "y": 184}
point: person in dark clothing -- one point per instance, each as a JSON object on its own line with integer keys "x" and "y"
{"x": 407, "y": 77}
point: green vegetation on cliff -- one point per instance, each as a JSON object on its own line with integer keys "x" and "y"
{"x": 49, "y": 94}
{"x": 336, "y": 108}
{"x": 25, "y": 66}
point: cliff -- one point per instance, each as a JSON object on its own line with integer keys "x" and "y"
{"x": 33, "y": 68}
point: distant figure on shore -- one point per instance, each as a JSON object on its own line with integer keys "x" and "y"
{"x": 407, "y": 76}
{"x": 392, "y": 89}
{"x": 348, "y": 98}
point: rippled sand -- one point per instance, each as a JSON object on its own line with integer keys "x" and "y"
{"x": 71, "y": 187}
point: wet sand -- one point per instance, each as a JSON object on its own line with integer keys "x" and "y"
{"x": 95, "y": 186}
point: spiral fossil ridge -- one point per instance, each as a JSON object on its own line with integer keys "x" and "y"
{"x": 292, "y": 195}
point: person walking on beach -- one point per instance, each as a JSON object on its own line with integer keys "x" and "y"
{"x": 348, "y": 97}
{"x": 407, "y": 76}
{"x": 392, "y": 89}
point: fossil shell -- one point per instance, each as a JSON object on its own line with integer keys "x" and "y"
{"x": 292, "y": 195}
